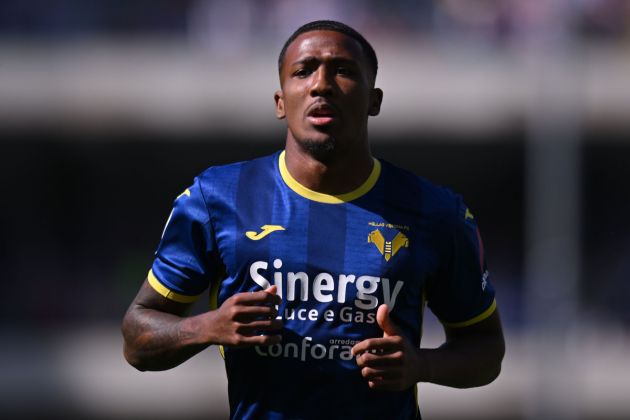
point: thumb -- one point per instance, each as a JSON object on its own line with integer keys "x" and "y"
{"x": 275, "y": 298}
{"x": 385, "y": 322}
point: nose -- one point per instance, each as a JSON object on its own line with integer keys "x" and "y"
{"x": 322, "y": 85}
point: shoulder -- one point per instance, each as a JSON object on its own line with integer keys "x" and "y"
{"x": 231, "y": 170}
{"x": 432, "y": 200}
{"x": 224, "y": 178}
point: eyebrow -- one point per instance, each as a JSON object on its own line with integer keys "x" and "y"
{"x": 311, "y": 59}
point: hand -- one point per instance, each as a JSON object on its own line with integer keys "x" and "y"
{"x": 245, "y": 319}
{"x": 391, "y": 362}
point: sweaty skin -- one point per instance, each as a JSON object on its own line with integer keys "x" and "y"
{"x": 159, "y": 336}
{"x": 327, "y": 72}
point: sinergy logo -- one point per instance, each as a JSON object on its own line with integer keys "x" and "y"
{"x": 324, "y": 288}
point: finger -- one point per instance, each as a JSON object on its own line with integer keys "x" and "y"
{"x": 385, "y": 322}
{"x": 259, "y": 340}
{"x": 257, "y": 298}
{"x": 272, "y": 291}
{"x": 254, "y": 328}
{"x": 379, "y": 360}
{"x": 377, "y": 344}
{"x": 380, "y": 374}
{"x": 366, "y": 345}
{"x": 248, "y": 313}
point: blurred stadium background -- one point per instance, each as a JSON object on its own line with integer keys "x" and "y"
{"x": 108, "y": 109}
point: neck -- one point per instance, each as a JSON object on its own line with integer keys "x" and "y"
{"x": 335, "y": 172}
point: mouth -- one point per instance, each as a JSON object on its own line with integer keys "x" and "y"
{"x": 321, "y": 114}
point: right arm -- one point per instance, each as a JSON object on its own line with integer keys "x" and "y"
{"x": 159, "y": 335}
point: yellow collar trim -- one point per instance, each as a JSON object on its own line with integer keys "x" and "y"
{"x": 327, "y": 198}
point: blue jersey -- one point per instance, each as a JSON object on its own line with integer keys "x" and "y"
{"x": 397, "y": 239}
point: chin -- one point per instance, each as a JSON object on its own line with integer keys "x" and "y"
{"x": 319, "y": 148}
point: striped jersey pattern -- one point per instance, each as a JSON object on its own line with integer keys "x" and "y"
{"x": 397, "y": 239}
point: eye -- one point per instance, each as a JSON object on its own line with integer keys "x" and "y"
{"x": 302, "y": 73}
{"x": 344, "y": 71}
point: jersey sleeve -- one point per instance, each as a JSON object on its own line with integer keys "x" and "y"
{"x": 184, "y": 263}
{"x": 461, "y": 294}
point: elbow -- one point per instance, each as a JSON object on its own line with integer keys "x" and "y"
{"x": 492, "y": 374}
{"x": 483, "y": 377}
{"x": 493, "y": 368}
{"x": 133, "y": 359}
{"x": 489, "y": 369}
{"x": 130, "y": 351}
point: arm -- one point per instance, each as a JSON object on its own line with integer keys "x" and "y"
{"x": 158, "y": 335}
{"x": 471, "y": 356}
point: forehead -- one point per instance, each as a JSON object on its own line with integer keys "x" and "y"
{"x": 324, "y": 44}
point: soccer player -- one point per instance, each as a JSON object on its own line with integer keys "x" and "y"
{"x": 319, "y": 260}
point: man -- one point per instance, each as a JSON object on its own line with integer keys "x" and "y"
{"x": 320, "y": 260}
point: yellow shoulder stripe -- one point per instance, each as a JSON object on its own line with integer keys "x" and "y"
{"x": 167, "y": 293}
{"x": 327, "y": 198}
{"x": 187, "y": 193}
{"x": 485, "y": 314}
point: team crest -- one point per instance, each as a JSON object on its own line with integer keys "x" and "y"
{"x": 388, "y": 248}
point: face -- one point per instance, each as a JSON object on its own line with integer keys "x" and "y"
{"x": 326, "y": 92}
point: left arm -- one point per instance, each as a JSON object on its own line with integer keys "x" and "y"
{"x": 470, "y": 357}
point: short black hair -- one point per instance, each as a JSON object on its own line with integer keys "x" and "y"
{"x": 331, "y": 25}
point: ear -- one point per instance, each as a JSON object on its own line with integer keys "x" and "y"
{"x": 279, "y": 99}
{"x": 376, "y": 97}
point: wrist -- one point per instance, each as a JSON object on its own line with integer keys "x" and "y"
{"x": 194, "y": 331}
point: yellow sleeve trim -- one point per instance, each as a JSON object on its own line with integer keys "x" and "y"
{"x": 327, "y": 198}
{"x": 169, "y": 294}
{"x": 485, "y": 314}
{"x": 214, "y": 304}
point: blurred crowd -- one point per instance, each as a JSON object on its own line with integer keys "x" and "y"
{"x": 66, "y": 172}
{"x": 221, "y": 23}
